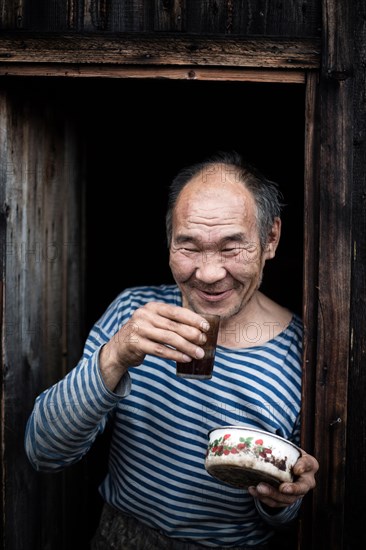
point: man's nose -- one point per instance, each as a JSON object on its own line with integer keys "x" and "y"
{"x": 211, "y": 268}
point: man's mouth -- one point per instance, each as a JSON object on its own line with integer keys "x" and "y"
{"x": 213, "y": 295}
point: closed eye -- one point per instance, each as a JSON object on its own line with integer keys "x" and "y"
{"x": 187, "y": 249}
{"x": 230, "y": 250}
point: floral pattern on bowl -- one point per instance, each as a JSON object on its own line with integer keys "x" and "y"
{"x": 242, "y": 456}
{"x": 246, "y": 445}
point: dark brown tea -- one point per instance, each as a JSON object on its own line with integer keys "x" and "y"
{"x": 202, "y": 368}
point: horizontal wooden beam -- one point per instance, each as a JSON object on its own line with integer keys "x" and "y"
{"x": 176, "y": 73}
{"x": 160, "y": 50}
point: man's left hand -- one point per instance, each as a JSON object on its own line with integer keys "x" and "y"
{"x": 287, "y": 493}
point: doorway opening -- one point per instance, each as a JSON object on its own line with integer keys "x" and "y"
{"x": 138, "y": 134}
{"x": 135, "y": 134}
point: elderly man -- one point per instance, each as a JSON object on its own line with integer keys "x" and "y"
{"x": 223, "y": 224}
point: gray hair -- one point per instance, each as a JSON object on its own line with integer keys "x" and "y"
{"x": 265, "y": 192}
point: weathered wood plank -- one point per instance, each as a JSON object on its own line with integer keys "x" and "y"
{"x": 310, "y": 289}
{"x": 253, "y": 17}
{"x": 41, "y": 237}
{"x": 334, "y": 285}
{"x": 242, "y": 17}
{"x": 169, "y": 15}
{"x": 173, "y": 73}
{"x": 155, "y": 50}
{"x": 12, "y": 14}
{"x": 129, "y": 15}
{"x": 355, "y": 509}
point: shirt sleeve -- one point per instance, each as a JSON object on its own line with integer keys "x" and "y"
{"x": 68, "y": 416}
{"x": 283, "y": 517}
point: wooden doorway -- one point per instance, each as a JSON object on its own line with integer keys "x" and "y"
{"x": 264, "y": 120}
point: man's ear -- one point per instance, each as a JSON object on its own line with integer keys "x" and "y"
{"x": 273, "y": 239}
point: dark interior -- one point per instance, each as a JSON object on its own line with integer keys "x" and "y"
{"x": 139, "y": 133}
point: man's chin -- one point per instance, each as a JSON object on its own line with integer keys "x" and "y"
{"x": 212, "y": 307}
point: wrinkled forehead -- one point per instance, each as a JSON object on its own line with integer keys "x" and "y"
{"x": 213, "y": 190}
{"x": 211, "y": 212}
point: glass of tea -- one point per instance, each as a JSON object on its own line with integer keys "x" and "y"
{"x": 202, "y": 368}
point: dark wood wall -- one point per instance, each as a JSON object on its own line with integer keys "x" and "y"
{"x": 42, "y": 248}
{"x": 242, "y": 17}
{"x": 355, "y": 466}
{"x": 318, "y": 46}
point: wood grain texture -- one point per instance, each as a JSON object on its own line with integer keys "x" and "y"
{"x": 355, "y": 510}
{"x": 219, "y": 17}
{"x": 253, "y": 17}
{"x": 42, "y": 329}
{"x": 310, "y": 289}
{"x": 169, "y": 15}
{"x": 332, "y": 171}
{"x": 155, "y": 50}
{"x": 222, "y": 74}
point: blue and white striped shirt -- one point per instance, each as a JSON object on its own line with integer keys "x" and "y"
{"x": 161, "y": 424}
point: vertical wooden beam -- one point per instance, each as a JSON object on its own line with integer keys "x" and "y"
{"x": 310, "y": 287}
{"x": 169, "y": 15}
{"x": 41, "y": 183}
{"x": 333, "y": 176}
{"x": 3, "y": 216}
{"x": 355, "y": 518}
{"x": 12, "y": 14}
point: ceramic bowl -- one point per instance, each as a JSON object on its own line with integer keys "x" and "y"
{"x": 242, "y": 456}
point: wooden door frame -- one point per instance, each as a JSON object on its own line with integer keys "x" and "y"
{"x": 326, "y": 220}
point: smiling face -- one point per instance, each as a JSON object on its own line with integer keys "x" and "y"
{"x": 215, "y": 253}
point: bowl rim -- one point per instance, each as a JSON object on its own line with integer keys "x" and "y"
{"x": 256, "y": 430}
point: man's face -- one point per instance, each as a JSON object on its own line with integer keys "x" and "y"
{"x": 215, "y": 253}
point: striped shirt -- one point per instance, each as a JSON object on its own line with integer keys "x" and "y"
{"x": 160, "y": 428}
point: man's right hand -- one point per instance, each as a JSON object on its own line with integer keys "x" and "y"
{"x": 164, "y": 330}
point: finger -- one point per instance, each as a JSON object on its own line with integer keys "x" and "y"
{"x": 178, "y": 320}
{"x": 306, "y": 463}
{"x": 271, "y": 497}
{"x": 153, "y": 331}
{"x": 176, "y": 347}
{"x": 161, "y": 343}
{"x": 300, "y": 488}
{"x": 180, "y": 315}
{"x": 187, "y": 332}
